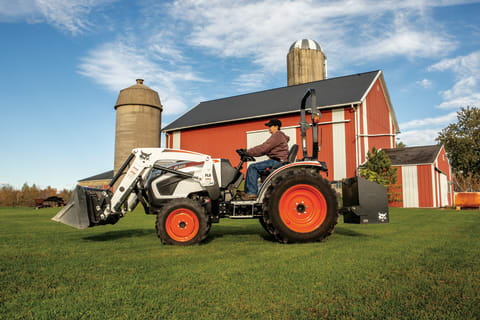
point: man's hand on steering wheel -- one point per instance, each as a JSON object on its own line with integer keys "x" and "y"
{"x": 244, "y": 155}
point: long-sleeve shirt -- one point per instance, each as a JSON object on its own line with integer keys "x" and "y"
{"x": 276, "y": 147}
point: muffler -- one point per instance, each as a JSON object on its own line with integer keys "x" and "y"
{"x": 364, "y": 201}
{"x": 86, "y": 208}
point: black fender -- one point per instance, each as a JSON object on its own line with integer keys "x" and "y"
{"x": 301, "y": 164}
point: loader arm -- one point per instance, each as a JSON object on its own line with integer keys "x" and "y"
{"x": 145, "y": 161}
{"x": 90, "y": 207}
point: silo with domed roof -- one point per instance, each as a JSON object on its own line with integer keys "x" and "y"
{"x": 305, "y": 62}
{"x": 139, "y": 114}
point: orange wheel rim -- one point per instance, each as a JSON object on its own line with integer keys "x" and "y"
{"x": 182, "y": 225}
{"x": 302, "y": 208}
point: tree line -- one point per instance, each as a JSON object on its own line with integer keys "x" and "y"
{"x": 26, "y": 195}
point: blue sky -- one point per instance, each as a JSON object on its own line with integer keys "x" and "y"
{"x": 64, "y": 62}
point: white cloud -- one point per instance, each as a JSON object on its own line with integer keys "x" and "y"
{"x": 441, "y": 120}
{"x": 424, "y": 131}
{"x": 466, "y": 90}
{"x": 116, "y": 65}
{"x": 464, "y": 65}
{"x": 72, "y": 16}
{"x": 11, "y": 10}
{"x": 425, "y": 83}
{"x": 405, "y": 38}
{"x": 419, "y": 137}
{"x": 258, "y": 30}
{"x": 472, "y": 100}
{"x": 250, "y": 81}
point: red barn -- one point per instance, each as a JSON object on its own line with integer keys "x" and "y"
{"x": 424, "y": 177}
{"x": 357, "y": 114}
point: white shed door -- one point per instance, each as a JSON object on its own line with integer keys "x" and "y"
{"x": 254, "y": 138}
{"x": 444, "y": 190}
{"x": 176, "y": 140}
{"x": 410, "y": 186}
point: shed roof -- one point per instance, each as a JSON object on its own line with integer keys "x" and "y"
{"x": 413, "y": 155}
{"x": 331, "y": 92}
{"x": 107, "y": 175}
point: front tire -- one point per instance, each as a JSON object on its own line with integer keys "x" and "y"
{"x": 182, "y": 222}
{"x": 265, "y": 226}
{"x": 300, "y": 206}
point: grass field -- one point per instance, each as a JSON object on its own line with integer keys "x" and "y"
{"x": 425, "y": 264}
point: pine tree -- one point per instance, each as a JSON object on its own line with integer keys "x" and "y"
{"x": 378, "y": 168}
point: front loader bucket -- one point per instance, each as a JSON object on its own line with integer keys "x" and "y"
{"x": 84, "y": 209}
{"x": 75, "y": 213}
{"x": 364, "y": 201}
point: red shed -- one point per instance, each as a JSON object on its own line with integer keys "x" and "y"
{"x": 357, "y": 114}
{"x": 424, "y": 177}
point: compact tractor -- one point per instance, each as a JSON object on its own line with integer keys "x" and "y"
{"x": 188, "y": 191}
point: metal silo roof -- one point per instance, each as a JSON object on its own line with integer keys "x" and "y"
{"x": 305, "y": 44}
{"x": 139, "y": 94}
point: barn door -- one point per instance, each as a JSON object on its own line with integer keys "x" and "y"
{"x": 410, "y": 186}
{"x": 175, "y": 140}
{"x": 443, "y": 190}
{"x": 254, "y": 138}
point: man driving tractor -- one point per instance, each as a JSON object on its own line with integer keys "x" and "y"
{"x": 275, "y": 147}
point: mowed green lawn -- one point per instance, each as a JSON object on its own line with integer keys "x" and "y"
{"x": 425, "y": 264}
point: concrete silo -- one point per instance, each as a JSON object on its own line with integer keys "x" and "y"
{"x": 139, "y": 114}
{"x": 305, "y": 62}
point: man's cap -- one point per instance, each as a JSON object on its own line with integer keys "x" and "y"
{"x": 274, "y": 122}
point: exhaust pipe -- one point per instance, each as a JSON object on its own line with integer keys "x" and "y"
{"x": 85, "y": 209}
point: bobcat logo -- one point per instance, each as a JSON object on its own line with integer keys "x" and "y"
{"x": 145, "y": 156}
{"x": 382, "y": 216}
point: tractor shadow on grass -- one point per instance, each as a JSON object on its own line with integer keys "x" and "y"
{"x": 115, "y": 235}
{"x": 349, "y": 233}
{"x": 222, "y": 231}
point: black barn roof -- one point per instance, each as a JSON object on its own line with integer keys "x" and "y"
{"x": 107, "y": 175}
{"x": 331, "y": 92}
{"x": 413, "y": 155}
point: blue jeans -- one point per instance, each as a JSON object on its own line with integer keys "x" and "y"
{"x": 253, "y": 172}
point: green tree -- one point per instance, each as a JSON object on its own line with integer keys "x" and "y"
{"x": 400, "y": 145}
{"x": 378, "y": 168}
{"x": 461, "y": 140}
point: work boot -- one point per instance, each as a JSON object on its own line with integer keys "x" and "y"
{"x": 248, "y": 196}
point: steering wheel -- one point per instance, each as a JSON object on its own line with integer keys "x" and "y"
{"x": 244, "y": 156}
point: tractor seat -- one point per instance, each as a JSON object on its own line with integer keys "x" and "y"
{"x": 292, "y": 155}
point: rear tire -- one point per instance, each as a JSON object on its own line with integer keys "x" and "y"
{"x": 182, "y": 222}
{"x": 300, "y": 206}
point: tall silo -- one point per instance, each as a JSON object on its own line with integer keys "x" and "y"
{"x": 139, "y": 114}
{"x": 305, "y": 62}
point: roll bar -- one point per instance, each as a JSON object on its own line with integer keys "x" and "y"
{"x": 304, "y": 125}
